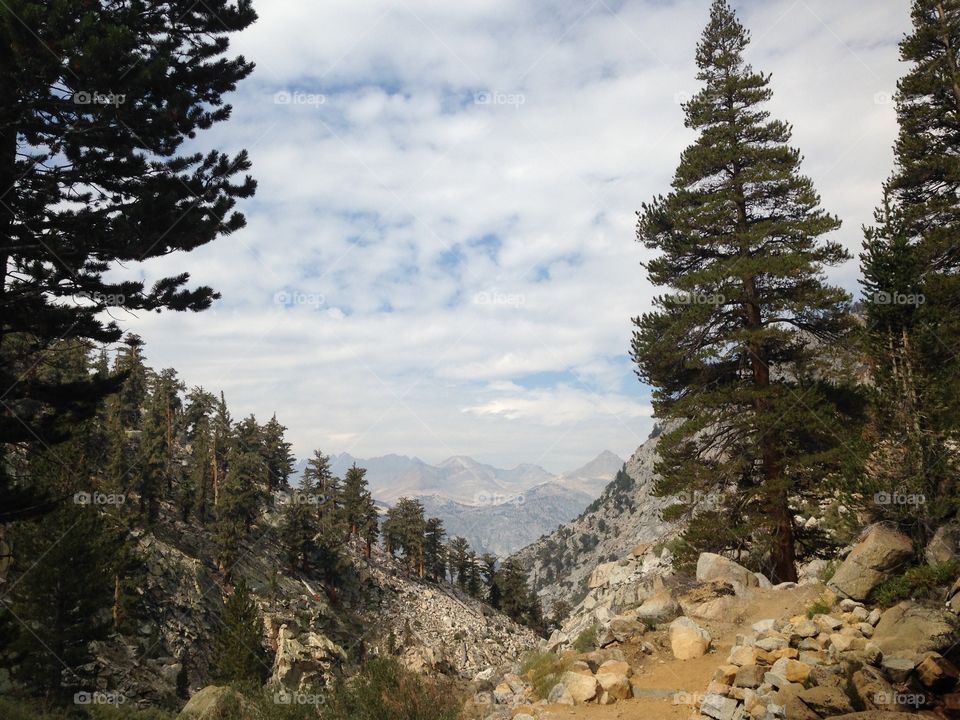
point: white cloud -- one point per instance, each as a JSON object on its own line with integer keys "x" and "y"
{"x": 403, "y": 330}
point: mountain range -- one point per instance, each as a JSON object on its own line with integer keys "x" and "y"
{"x": 497, "y": 510}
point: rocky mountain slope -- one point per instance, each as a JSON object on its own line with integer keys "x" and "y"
{"x": 625, "y": 515}
{"x": 505, "y": 527}
{"x": 163, "y": 653}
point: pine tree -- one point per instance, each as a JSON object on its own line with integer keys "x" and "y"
{"x": 238, "y": 655}
{"x": 356, "y": 500}
{"x": 89, "y": 185}
{"x": 489, "y": 569}
{"x": 732, "y": 353}
{"x": 403, "y": 530}
{"x": 318, "y": 475}
{"x": 299, "y": 528}
{"x": 911, "y": 268}
{"x": 278, "y": 455}
{"x": 133, "y": 392}
{"x": 61, "y": 559}
{"x": 238, "y": 504}
{"x": 158, "y": 471}
{"x": 222, "y": 441}
{"x": 458, "y": 552}
{"x": 196, "y": 490}
{"x": 434, "y": 552}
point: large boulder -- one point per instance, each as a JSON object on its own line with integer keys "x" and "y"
{"x": 215, "y": 702}
{"x": 711, "y": 566}
{"x": 715, "y": 600}
{"x": 582, "y": 688}
{"x": 911, "y": 629}
{"x": 660, "y": 607}
{"x": 944, "y": 546}
{"x": 687, "y": 639}
{"x": 881, "y": 551}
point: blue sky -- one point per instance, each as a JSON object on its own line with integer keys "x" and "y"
{"x": 440, "y": 259}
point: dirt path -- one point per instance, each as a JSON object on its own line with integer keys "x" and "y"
{"x": 667, "y": 679}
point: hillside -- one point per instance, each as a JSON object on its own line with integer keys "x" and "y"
{"x": 163, "y": 654}
{"x": 625, "y": 515}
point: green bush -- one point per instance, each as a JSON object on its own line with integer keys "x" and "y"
{"x": 819, "y": 607}
{"x": 830, "y": 570}
{"x": 543, "y": 670}
{"x": 587, "y": 639}
{"x": 918, "y": 583}
{"x": 385, "y": 690}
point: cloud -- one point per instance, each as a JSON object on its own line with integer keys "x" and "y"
{"x": 446, "y": 210}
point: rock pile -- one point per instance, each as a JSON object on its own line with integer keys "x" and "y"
{"x": 832, "y": 665}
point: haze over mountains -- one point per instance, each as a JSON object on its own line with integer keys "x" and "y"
{"x": 497, "y": 510}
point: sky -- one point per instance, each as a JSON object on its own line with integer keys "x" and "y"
{"x": 440, "y": 259}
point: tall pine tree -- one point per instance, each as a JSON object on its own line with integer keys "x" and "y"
{"x": 911, "y": 269}
{"x": 732, "y": 351}
{"x": 94, "y": 176}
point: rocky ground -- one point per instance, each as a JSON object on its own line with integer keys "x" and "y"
{"x": 730, "y": 646}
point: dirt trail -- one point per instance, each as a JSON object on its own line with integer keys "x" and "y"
{"x": 663, "y": 677}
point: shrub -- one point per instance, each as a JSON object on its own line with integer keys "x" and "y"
{"x": 543, "y": 670}
{"x": 587, "y": 639}
{"x": 919, "y": 582}
{"x": 385, "y": 690}
{"x": 820, "y": 607}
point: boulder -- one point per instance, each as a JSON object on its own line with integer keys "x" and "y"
{"x": 881, "y": 551}
{"x": 659, "y": 607}
{"x": 560, "y": 695}
{"x": 937, "y": 673}
{"x": 711, "y": 566}
{"x": 687, "y": 639}
{"x": 791, "y": 670}
{"x": 618, "y": 667}
{"x": 749, "y": 676}
{"x": 944, "y": 546}
{"x": 909, "y": 628}
{"x": 898, "y": 669}
{"x": 825, "y": 701}
{"x": 615, "y": 685}
{"x": 218, "y": 701}
{"x": 582, "y": 688}
{"x": 718, "y": 707}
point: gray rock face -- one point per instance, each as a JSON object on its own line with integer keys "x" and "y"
{"x": 909, "y": 628}
{"x": 881, "y": 551}
{"x": 626, "y": 515}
